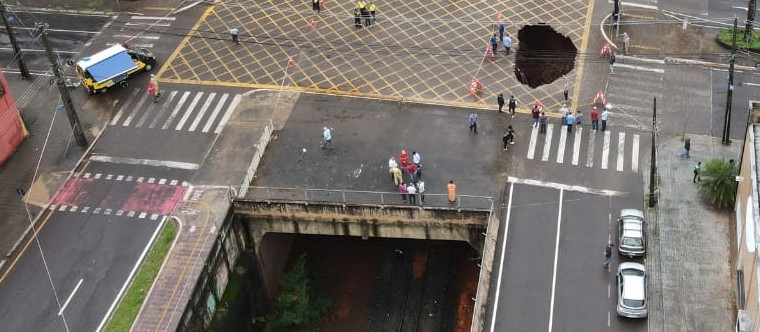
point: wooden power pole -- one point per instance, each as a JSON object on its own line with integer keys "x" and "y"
{"x": 68, "y": 104}
{"x": 14, "y": 42}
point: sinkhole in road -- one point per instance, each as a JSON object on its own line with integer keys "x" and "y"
{"x": 544, "y": 55}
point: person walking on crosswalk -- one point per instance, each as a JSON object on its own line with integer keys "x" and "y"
{"x": 512, "y": 105}
{"x": 535, "y": 113}
{"x": 579, "y": 120}
{"x": 594, "y": 119}
{"x": 542, "y": 121}
{"x": 153, "y": 88}
{"x": 564, "y": 111}
{"x": 604, "y": 115}
{"x": 569, "y": 120}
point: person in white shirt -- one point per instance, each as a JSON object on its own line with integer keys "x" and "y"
{"x": 411, "y": 192}
{"x": 564, "y": 111}
{"x": 416, "y": 158}
{"x": 421, "y": 191}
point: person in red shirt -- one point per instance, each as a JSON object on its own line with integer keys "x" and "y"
{"x": 411, "y": 168}
{"x": 403, "y": 158}
{"x": 594, "y": 118}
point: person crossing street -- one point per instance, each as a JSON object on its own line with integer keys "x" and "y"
{"x": 608, "y": 255}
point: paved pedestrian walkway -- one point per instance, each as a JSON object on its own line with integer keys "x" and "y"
{"x": 689, "y": 260}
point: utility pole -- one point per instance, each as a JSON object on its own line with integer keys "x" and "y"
{"x": 730, "y": 93}
{"x": 14, "y": 43}
{"x": 68, "y": 104}
{"x": 751, "y": 7}
{"x": 653, "y": 170}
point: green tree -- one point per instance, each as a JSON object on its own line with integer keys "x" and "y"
{"x": 299, "y": 306}
{"x": 718, "y": 183}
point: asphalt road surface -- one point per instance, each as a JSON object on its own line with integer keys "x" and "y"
{"x": 552, "y": 277}
{"x": 67, "y": 33}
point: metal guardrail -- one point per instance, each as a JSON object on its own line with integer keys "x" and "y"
{"x": 468, "y": 202}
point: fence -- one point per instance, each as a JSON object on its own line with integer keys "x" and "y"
{"x": 468, "y": 202}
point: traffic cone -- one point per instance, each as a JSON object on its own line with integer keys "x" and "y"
{"x": 322, "y": 4}
{"x": 599, "y": 98}
{"x": 291, "y": 62}
{"x": 497, "y": 16}
{"x": 313, "y": 24}
{"x": 605, "y": 50}
{"x": 489, "y": 52}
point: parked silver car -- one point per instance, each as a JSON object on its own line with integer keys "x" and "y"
{"x": 632, "y": 290}
{"x": 632, "y": 237}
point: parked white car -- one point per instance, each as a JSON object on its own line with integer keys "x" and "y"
{"x": 632, "y": 237}
{"x": 632, "y": 290}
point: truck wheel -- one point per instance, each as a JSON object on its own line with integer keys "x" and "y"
{"x": 148, "y": 67}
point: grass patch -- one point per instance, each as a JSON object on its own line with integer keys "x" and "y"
{"x": 130, "y": 304}
{"x": 725, "y": 38}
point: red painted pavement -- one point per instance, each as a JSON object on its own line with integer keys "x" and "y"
{"x": 153, "y": 198}
{"x": 74, "y": 192}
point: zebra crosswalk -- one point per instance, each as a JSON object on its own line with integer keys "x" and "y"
{"x": 178, "y": 111}
{"x": 582, "y": 146}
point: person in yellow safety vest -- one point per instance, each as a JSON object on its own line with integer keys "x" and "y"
{"x": 362, "y": 5}
{"x": 372, "y": 10}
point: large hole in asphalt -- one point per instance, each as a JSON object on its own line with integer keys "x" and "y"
{"x": 544, "y": 55}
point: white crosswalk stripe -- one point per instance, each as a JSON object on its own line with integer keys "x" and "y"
{"x": 621, "y": 150}
{"x": 577, "y": 145}
{"x": 178, "y": 111}
{"x": 561, "y": 148}
{"x": 585, "y": 147}
{"x": 548, "y": 142}
{"x": 141, "y": 31}
{"x": 532, "y": 145}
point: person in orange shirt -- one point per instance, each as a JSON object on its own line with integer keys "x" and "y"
{"x": 452, "y": 188}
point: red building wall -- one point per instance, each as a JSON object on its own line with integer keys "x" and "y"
{"x": 12, "y": 130}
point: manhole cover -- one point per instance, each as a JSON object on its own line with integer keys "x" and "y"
{"x": 544, "y": 55}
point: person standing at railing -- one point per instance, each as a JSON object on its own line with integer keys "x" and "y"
{"x": 402, "y": 190}
{"x": 421, "y": 191}
{"x": 452, "y": 189}
{"x": 411, "y": 191}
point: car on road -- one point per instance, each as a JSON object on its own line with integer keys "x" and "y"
{"x": 632, "y": 237}
{"x": 632, "y": 290}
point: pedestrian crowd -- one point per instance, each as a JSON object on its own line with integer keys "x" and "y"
{"x": 364, "y": 12}
{"x": 407, "y": 177}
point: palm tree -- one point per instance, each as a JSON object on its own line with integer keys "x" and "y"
{"x": 719, "y": 183}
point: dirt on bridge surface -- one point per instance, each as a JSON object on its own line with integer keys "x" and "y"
{"x": 543, "y": 56}
{"x": 393, "y": 284}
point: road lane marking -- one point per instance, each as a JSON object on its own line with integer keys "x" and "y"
{"x": 163, "y": 109}
{"x": 65, "y": 304}
{"x": 548, "y": 142}
{"x": 131, "y": 274}
{"x": 606, "y": 150}
{"x": 202, "y": 113}
{"x": 635, "y": 154}
{"x": 134, "y": 111}
{"x": 123, "y": 107}
{"x": 228, "y": 113}
{"x": 149, "y": 25}
{"x": 621, "y": 151}
{"x": 561, "y": 147}
{"x": 144, "y": 117}
{"x": 140, "y": 37}
{"x": 189, "y": 111}
{"x": 148, "y": 162}
{"x": 214, "y": 114}
{"x": 26, "y": 246}
{"x": 556, "y": 258}
{"x": 581, "y": 62}
{"x": 591, "y": 144}
{"x": 503, "y": 251}
{"x": 577, "y": 146}
{"x": 154, "y": 18}
{"x": 566, "y": 187}
{"x": 532, "y": 145}
{"x": 176, "y": 109}
{"x": 634, "y": 67}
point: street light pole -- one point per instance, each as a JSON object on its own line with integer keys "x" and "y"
{"x": 653, "y": 169}
{"x": 730, "y": 93}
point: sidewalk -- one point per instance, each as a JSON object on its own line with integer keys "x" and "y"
{"x": 691, "y": 286}
{"x": 37, "y": 104}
